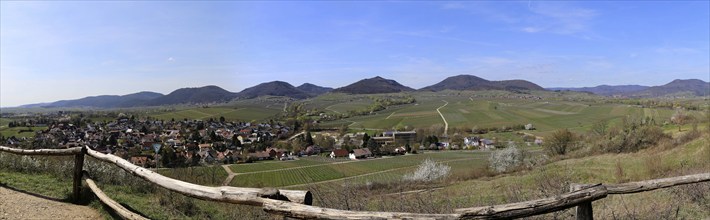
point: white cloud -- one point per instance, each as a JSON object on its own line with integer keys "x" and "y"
{"x": 560, "y": 18}
{"x": 531, "y": 29}
{"x": 542, "y": 17}
{"x": 171, "y": 59}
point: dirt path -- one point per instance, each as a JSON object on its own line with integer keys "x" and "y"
{"x": 18, "y": 205}
{"x": 446, "y": 124}
{"x": 230, "y": 175}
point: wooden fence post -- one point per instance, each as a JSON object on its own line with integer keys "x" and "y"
{"x": 78, "y": 172}
{"x": 583, "y": 210}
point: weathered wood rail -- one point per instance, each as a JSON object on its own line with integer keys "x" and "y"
{"x": 297, "y": 204}
{"x": 118, "y": 208}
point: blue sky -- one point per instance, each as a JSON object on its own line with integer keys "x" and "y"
{"x": 65, "y": 50}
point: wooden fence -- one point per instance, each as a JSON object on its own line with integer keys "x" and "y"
{"x": 297, "y": 204}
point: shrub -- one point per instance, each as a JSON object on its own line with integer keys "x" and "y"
{"x": 429, "y": 171}
{"x": 507, "y": 159}
{"x": 560, "y": 142}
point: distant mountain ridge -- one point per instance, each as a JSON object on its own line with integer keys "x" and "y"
{"x": 373, "y": 86}
{"x": 215, "y": 94}
{"x": 205, "y": 94}
{"x": 605, "y": 90}
{"x": 676, "y": 87}
{"x": 106, "y": 101}
{"x": 314, "y": 90}
{"x": 470, "y": 82}
{"x": 274, "y": 88}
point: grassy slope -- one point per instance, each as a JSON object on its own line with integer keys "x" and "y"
{"x": 463, "y": 112}
{"x": 693, "y": 157}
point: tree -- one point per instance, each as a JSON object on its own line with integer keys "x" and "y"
{"x": 679, "y": 118}
{"x": 373, "y": 146}
{"x": 365, "y": 138}
{"x": 309, "y": 139}
{"x": 167, "y": 157}
{"x": 195, "y": 160}
{"x": 506, "y": 159}
{"x": 196, "y": 137}
{"x": 221, "y": 119}
{"x": 343, "y": 129}
{"x": 429, "y": 171}
{"x": 213, "y": 136}
{"x": 560, "y": 142}
{"x": 599, "y": 128}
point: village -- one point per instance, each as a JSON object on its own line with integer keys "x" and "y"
{"x": 180, "y": 143}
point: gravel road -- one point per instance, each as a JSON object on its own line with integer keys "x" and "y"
{"x": 17, "y": 205}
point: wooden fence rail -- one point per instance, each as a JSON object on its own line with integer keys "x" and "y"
{"x": 118, "y": 208}
{"x": 237, "y": 195}
{"x": 297, "y": 204}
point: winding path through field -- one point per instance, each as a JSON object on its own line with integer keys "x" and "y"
{"x": 446, "y": 124}
{"x": 328, "y": 108}
{"x": 18, "y": 205}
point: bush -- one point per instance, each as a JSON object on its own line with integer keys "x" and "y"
{"x": 429, "y": 171}
{"x": 560, "y": 142}
{"x": 506, "y": 159}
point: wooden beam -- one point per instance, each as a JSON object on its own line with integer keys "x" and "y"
{"x": 535, "y": 207}
{"x": 118, "y": 208}
{"x": 78, "y": 169}
{"x": 300, "y": 211}
{"x": 642, "y": 186}
{"x": 47, "y": 152}
{"x": 583, "y": 211}
{"x": 237, "y": 195}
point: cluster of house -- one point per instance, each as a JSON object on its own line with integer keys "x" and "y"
{"x": 354, "y": 154}
{"x": 488, "y": 144}
{"x": 138, "y": 140}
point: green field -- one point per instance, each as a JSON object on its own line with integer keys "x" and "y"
{"x": 230, "y": 114}
{"x": 19, "y": 132}
{"x": 295, "y": 173}
{"x": 272, "y": 165}
{"x": 465, "y": 112}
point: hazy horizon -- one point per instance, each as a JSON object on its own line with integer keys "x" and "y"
{"x": 52, "y": 51}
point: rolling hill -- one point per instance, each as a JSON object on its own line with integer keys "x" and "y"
{"x": 678, "y": 87}
{"x": 104, "y": 101}
{"x": 274, "y": 88}
{"x": 204, "y": 94}
{"x": 373, "y": 86}
{"x": 470, "y": 82}
{"x": 314, "y": 90}
{"x": 683, "y": 87}
{"x": 605, "y": 90}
